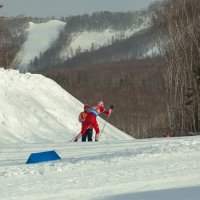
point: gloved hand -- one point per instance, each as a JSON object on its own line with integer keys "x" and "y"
{"x": 111, "y": 107}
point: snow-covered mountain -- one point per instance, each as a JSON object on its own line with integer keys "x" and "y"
{"x": 54, "y": 42}
{"x": 38, "y": 115}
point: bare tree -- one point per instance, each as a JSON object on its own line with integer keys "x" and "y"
{"x": 179, "y": 22}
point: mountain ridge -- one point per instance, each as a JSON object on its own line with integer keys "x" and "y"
{"x": 88, "y": 34}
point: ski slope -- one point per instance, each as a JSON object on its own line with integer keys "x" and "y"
{"x": 39, "y": 38}
{"x": 38, "y": 115}
{"x": 87, "y": 40}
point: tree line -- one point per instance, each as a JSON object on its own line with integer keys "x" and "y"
{"x": 12, "y": 36}
{"x": 177, "y": 24}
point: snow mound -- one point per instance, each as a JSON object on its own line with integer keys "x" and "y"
{"x": 36, "y": 109}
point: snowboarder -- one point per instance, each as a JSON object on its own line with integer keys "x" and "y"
{"x": 91, "y": 119}
{"x": 89, "y": 132}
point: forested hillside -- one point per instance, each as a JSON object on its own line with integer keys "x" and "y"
{"x": 135, "y": 87}
{"x": 174, "y": 99}
{"x": 11, "y": 38}
{"x": 125, "y": 35}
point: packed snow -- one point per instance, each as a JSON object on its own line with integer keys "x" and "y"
{"x": 39, "y": 38}
{"x": 37, "y": 115}
{"x": 153, "y": 169}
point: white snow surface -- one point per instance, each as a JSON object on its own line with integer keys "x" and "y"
{"x": 37, "y": 115}
{"x": 153, "y": 51}
{"x": 40, "y": 38}
{"x": 87, "y": 40}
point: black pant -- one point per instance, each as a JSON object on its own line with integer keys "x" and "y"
{"x": 88, "y": 134}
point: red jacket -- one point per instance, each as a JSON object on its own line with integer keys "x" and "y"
{"x": 82, "y": 118}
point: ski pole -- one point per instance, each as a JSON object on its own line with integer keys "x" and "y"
{"x": 72, "y": 139}
{"x": 104, "y": 126}
{"x": 76, "y": 137}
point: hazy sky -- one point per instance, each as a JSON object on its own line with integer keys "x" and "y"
{"x": 48, "y": 8}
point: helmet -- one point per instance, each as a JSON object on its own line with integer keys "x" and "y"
{"x": 86, "y": 106}
{"x": 101, "y": 103}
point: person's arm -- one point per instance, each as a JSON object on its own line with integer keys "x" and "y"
{"x": 81, "y": 118}
{"x": 108, "y": 112}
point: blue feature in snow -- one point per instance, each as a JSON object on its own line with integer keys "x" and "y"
{"x": 42, "y": 157}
